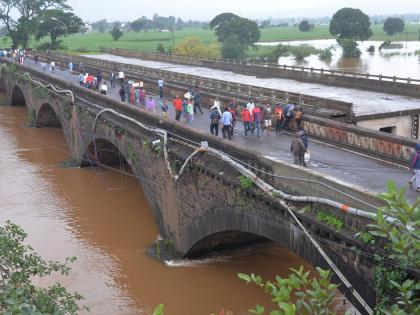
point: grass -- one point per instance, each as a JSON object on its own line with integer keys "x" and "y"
{"x": 92, "y": 42}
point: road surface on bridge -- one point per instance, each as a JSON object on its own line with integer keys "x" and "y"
{"x": 364, "y": 102}
{"x": 368, "y": 173}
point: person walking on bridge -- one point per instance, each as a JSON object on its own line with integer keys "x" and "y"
{"x": 256, "y": 120}
{"x": 121, "y": 77}
{"x": 415, "y": 165}
{"x": 278, "y": 114}
{"x": 197, "y": 100}
{"x": 227, "y": 123}
{"x": 177, "y": 103}
{"x": 214, "y": 121}
{"x": 151, "y": 105}
{"x": 112, "y": 79}
{"x": 246, "y": 119}
{"x": 160, "y": 89}
{"x": 121, "y": 92}
{"x": 298, "y": 149}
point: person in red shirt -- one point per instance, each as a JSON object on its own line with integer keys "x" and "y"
{"x": 246, "y": 119}
{"x": 278, "y": 114}
{"x": 177, "y": 103}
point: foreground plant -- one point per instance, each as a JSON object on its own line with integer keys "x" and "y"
{"x": 19, "y": 266}
{"x": 312, "y": 295}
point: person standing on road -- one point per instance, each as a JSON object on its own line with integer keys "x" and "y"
{"x": 415, "y": 166}
{"x": 250, "y": 105}
{"x": 160, "y": 88}
{"x": 246, "y": 119}
{"x": 121, "y": 92}
{"x": 43, "y": 66}
{"x": 36, "y": 59}
{"x": 52, "y": 66}
{"x": 256, "y": 119}
{"x": 267, "y": 117}
{"x": 288, "y": 114}
{"x": 112, "y": 79}
{"x": 227, "y": 124}
{"x": 104, "y": 88}
{"x": 197, "y": 100}
{"x": 190, "y": 112}
{"x": 177, "y": 103}
{"x": 304, "y": 137}
{"x": 142, "y": 97}
{"x": 278, "y": 114}
{"x": 121, "y": 77}
{"x": 298, "y": 149}
{"x": 151, "y": 105}
{"x": 298, "y": 118}
{"x": 233, "y": 113}
{"x": 164, "y": 108}
{"x": 136, "y": 96}
{"x": 81, "y": 77}
{"x": 217, "y": 104}
{"x": 214, "y": 121}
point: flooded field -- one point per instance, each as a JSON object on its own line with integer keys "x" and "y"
{"x": 401, "y": 59}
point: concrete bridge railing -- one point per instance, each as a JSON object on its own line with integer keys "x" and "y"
{"x": 365, "y": 81}
{"x": 207, "y": 206}
{"x": 379, "y": 144}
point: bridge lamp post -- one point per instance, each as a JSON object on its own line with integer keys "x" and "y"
{"x": 67, "y": 32}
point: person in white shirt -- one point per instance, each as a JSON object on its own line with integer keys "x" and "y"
{"x": 52, "y": 66}
{"x": 216, "y": 104}
{"x": 121, "y": 77}
{"x": 250, "y": 106}
{"x": 104, "y": 88}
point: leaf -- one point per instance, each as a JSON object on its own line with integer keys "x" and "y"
{"x": 244, "y": 276}
{"x": 158, "y": 310}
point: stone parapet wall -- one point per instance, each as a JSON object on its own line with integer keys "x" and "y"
{"x": 378, "y": 83}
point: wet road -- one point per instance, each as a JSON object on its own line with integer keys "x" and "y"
{"x": 103, "y": 219}
{"x": 353, "y": 168}
{"x": 364, "y": 102}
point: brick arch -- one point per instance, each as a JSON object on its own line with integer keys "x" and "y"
{"x": 209, "y": 229}
{"x": 102, "y": 151}
{"x": 48, "y": 117}
{"x": 17, "y": 97}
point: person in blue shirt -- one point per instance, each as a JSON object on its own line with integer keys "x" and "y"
{"x": 227, "y": 123}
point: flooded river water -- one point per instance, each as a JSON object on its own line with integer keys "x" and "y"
{"x": 103, "y": 218}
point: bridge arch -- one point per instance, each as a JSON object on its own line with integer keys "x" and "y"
{"x": 102, "y": 152}
{"x": 17, "y": 97}
{"x": 47, "y": 117}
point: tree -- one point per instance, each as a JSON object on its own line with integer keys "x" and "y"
{"x": 20, "y": 17}
{"x": 298, "y": 293}
{"x": 54, "y": 28}
{"x": 304, "y": 26}
{"x": 222, "y": 18}
{"x": 100, "y": 26}
{"x": 116, "y": 33}
{"x": 393, "y": 26}
{"x": 138, "y": 25}
{"x": 235, "y": 33}
{"x": 348, "y": 26}
{"x": 348, "y": 23}
{"x": 19, "y": 264}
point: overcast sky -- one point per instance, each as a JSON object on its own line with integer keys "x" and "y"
{"x": 128, "y": 10}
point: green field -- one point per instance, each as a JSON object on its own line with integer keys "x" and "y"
{"x": 92, "y": 42}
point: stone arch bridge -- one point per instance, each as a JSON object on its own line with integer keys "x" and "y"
{"x": 207, "y": 207}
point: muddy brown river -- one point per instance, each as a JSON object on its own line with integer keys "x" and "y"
{"x": 102, "y": 218}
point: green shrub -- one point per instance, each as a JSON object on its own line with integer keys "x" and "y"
{"x": 371, "y": 49}
{"x": 246, "y": 182}
{"x": 367, "y": 238}
{"x": 350, "y": 48}
{"x": 326, "y": 54}
{"x": 330, "y": 220}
